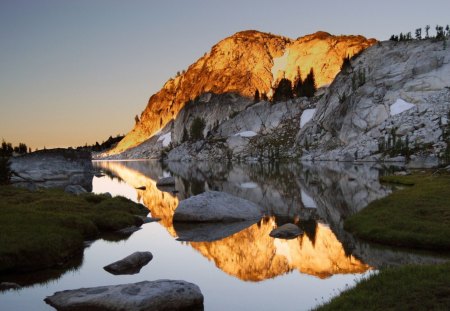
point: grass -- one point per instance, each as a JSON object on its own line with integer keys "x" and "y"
{"x": 47, "y": 228}
{"x": 404, "y": 288}
{"x": 417, "y": 216}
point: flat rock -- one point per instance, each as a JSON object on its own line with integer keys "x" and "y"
{"x": 131, "y": 264}
{"x": 213, "y": 206}
{"x": 148, "y": 295}
{"x": 166, "y": 181}
{"x": 129, "y": 230}
{"x": 286, "y": 231}
{"x": 75, "y": 189}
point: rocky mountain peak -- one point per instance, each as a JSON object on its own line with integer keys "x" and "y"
{"x": 243, "y": 63}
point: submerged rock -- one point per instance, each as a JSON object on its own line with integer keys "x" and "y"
{"x": 286, "y": 231}
{"x": 147, "y": 295}
{"x": 213, "y": 206}
{"x": 166, "y": 181}
{"x": 131, "y": 264}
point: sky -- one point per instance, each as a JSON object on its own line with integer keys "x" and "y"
{"x": 77, "y": 71}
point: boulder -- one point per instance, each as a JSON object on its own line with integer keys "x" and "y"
{"x": 75, "y": 189}
{"x": 147, "y": 295}
{"x": 286, "y": 231}
{"x": 129, "y": 230}
{"x": 214, "y": 206}
{"x": 166, "y": 181}
{"x": 131, "y": 264}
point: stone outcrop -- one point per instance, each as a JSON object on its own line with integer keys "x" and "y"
{"x": 214, "y": 206}
{"x": 154, "y": 295}
{"x": 392, "y": 95}
{"x": 243, "y": 63}
{"x": 165, "y": 181}
{"x": 53, "y": 168}
{"x": 131, "y": 264}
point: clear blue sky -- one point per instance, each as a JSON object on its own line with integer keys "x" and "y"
{"x": 75, "y": 72}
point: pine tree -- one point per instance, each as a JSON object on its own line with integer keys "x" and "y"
{"x": 419, "y": 33}
{"x": 283, "y": 91}
{"x": 298, "y": 83}
{"x": 309, "y": 84}
{"x": 427, "y": 29}
{"x": 257, "y": 98}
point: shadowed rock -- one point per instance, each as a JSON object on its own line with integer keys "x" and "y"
{"x": 208, "y": 232}
{"x": 286, "y": 231}
{"x": 155, "y": 295}
{"x": 131, "y": 264}
{"x": 213, "y": 206}
{"x": 166, "y": 181}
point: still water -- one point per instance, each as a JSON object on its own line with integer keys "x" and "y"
{"x": 238, "y": 268}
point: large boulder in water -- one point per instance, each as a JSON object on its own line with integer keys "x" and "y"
{"x": 213, "y": 206}
{"x": 131, "y": 264}
{"x": 155, "y": 295}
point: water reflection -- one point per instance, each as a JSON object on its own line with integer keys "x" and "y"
{"x": 247, "y": 253}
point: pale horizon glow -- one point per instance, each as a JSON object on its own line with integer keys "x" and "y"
{"x": 76, "y": 72}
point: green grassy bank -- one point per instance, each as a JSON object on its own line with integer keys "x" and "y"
{"x": 404, "y": 288}
{"x": 47, "y": 228}
{"x": 417, "y": 216}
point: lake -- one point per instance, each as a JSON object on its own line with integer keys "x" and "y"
{"x": 238, "y": 267}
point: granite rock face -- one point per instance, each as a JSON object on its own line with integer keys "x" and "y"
{"x": 243, "y": 63}
{"x": 155, "y": 295}
{"x": 53, "y": 168}
{"x": 394, "y": 92}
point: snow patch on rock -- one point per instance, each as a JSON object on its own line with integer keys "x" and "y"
{"x": 166, "y": 139}
{"x": 399, "y": 106}
{"x": 246, "y": 134}
{"x": 307, "y": 115}
{"x": 248, "y": 185}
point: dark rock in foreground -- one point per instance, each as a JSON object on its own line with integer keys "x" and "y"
{"x": 166, "y": 181}
{"x": 213, "y": 206}
{"x": 155, "y": 295}
{"x": 286, "y": 231}
{"x": 131, "y": 264}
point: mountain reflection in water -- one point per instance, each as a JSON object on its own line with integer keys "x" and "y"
{"x": 249, "y": 254}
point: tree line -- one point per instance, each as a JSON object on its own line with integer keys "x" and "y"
{"x": 286, "y": 90}
{"x": 441, "y": 34}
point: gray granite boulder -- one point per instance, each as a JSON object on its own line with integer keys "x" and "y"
{"x": 214, "y": 206}
{"x": 208, "y": 232}
{"x": 148, "y": 295}
{"x": 286, "y": 231}
{"x": 131, "y": 264}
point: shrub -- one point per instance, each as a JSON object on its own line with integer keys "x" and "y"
{"x": 5, "y": 170}
{"x": 197, "y": 127}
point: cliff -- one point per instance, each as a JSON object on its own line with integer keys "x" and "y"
{"x": 243, "y": 63}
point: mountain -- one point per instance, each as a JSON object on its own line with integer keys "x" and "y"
{"x": 243, "y": 63}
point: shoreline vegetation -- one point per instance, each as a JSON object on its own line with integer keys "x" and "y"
{"x": 47, "y": 228}
{"x": 415, "y": 216}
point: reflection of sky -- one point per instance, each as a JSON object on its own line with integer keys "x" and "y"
{"x": 107, "y": 184}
